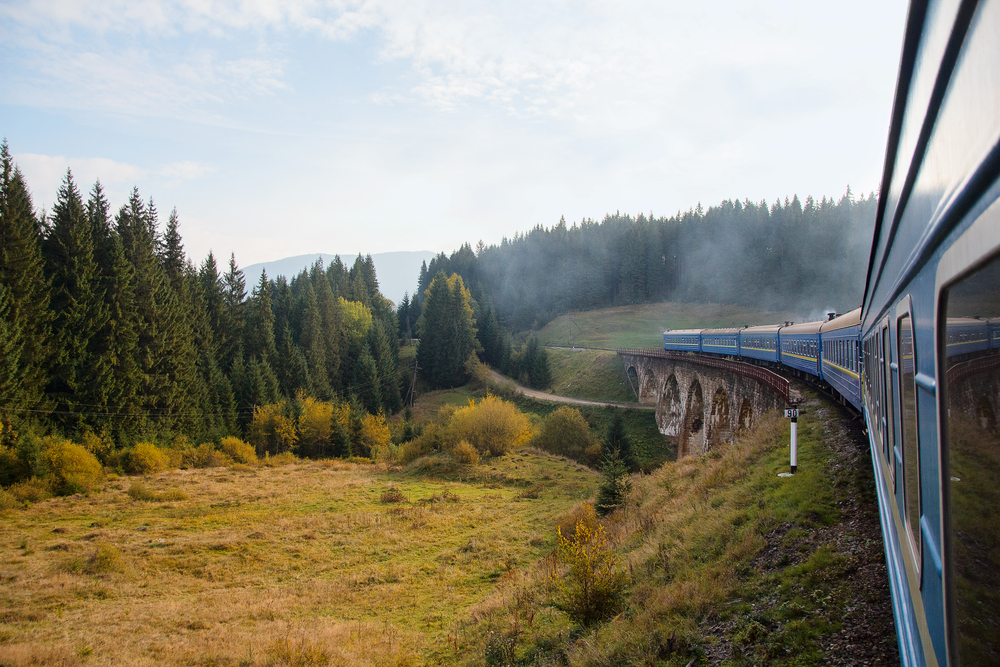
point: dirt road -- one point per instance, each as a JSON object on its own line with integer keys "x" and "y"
{"x": 542, "y": 396}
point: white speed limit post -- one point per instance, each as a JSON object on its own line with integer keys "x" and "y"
{"x": 793, "y": 414}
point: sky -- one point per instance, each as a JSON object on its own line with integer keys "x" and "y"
{"x": 286, "y": 127}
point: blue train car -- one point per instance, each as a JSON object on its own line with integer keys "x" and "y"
{"x": 935, "y": 260}
{"x": 994, "y": 327}
{"x": 841, "y": 343}
{"x": 966, "y": 335}
{"x": 721, "y": 341}
{"x": 682, "y": 340}
{"x": 760, "y": 343}
{"x": 800, "y": 347}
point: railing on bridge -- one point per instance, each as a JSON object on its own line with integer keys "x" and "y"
{"x": 777, "y": 383}
{"x": 964, "y": 369}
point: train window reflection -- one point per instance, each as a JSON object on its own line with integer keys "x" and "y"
{"x": 908, "y": 433}
{"x": 972, "y": 400}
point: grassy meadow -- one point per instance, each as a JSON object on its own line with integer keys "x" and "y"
{"x": 343, "y": 563}
{"x": 642, "y": 325}
{"x": 346, "y": 563}
{"x": 594, "y": 375}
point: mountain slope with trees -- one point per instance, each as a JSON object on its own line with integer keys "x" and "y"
{"x": 785, "y": 256}
{"x": 110, "y": 331}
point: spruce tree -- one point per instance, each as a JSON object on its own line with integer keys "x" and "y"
{"x": 79, "y": 376}
{"x": 617, "y": 440}
{"x": 172, "y": 258}
{"x": 234, "y": 296}
{"x": 259, "y": 332}
{"x": 22, "y": 273}
{"x": 447, "y": 332}
{"x": 332, "y": 330}
{"x": 386, "y": 363}
{"x": 168, "y": 359}
{"x": 11, "y": 344}
{"x": 313, "y": 343}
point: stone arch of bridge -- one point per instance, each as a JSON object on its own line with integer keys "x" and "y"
{"x": 719, "y": 429}
{"x": 671, "y": 407}
{"x": 745, "y": 420}
{"x": 693, "y": 432}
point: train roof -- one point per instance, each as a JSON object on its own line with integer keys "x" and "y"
{"x": 803, "y": 328}
{"x": 682, "y": 332}
{"x": 764, "y": 329}
{"x": 851, "y": 319}
{"x": 730, "y": 331}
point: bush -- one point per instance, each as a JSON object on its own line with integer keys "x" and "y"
{"x": 104, "y": 559}
{"x": 493, "y": 426}
{"x": 273, "y": 428}
{"x": 373, "y": 436}
{"x": 146, "y": 458}
{"x": 425, "y": 443}
{"x": 30, "y": 490}
{"x": 282, "y": 459}
{"x": 238, "y": 450}
{"x": 393, "y": 495}
{"x": 315, "y": 422}
{"x": 593, "y": 586}
{"x": 7, "y": 500}
{"x": 72, "y": 469}
{"x": 204, "y": 456}
{"x": 565, "y": 432}
{"x": 465, "y": 453}
{"x": 10, "y": 466}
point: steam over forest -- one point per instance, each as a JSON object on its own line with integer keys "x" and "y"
{"x": 106, "y": 326}
{"x": 791, "y": 256}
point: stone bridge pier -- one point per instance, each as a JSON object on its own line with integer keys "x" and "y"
{"x": 704, "y": 401}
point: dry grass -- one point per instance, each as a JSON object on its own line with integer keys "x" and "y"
{"x": 687, "y": 536}
{"x": 302, "y": 564}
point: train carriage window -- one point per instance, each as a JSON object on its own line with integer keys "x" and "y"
{"x": 888, "y": 420}
{"x": 909, "y": 433}
{"x": 972, "y": 436}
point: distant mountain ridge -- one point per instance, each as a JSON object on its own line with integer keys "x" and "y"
{"x": 397, "y": 272}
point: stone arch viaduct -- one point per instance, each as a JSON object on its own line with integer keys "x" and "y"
{"x": 703, "y": 400}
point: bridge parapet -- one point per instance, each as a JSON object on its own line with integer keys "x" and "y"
{"x": 778, "y": 384}
{"x": 703, "y": 400}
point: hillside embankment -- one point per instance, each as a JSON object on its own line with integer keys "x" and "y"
{"x": 716, "y": 561}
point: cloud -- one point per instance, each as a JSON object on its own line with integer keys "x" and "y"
{"x": 45, "y": 174}
{"x": 585, "y": 61}
{"x": 186, "y": 170}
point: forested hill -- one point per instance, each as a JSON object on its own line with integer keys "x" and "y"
{"x": 805, "y": 257}
{"x": 106, "y": 327}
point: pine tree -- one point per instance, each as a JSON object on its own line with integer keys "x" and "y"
{"x": 11, "y": 344}
{"x": 214, "y": 302}
{"x": 167, "y": 367}
{"x": 617, "y": 440}
{"x": 80, "y": 373}
{"x": 386, "y": 362}
{"x": 313, "y": 343}
{"x": 117, "y": 340}
{"x": 259, "y": 332}
{"x": 234, "y": 297}
{"x": 172, "y": 258}
{"x": 331, "y": 327}
{"x": 22, "y": 273}
{"x": 403, "y": 317}
{"x": 447, "y": 332}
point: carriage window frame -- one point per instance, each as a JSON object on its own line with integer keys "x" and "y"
{"x": 888, "y": 402}
{"x": 976, "y": 247}
{"x": 909, "y": 434}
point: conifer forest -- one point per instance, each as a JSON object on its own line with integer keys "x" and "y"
{"x": 108, "y": 330}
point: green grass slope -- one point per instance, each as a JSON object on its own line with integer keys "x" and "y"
{"x": 642, "y": 325}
